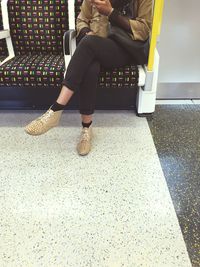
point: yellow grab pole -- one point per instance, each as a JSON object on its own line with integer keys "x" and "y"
{"x": 157, "y": 18}
{"x": 161, "y": 15}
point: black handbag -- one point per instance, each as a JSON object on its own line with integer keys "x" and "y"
{"x": 138, "y": 50}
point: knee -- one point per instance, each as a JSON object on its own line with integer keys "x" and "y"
{"x": 89, "y": 41}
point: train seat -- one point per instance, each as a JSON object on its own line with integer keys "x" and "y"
{"x": 35, "y": 52}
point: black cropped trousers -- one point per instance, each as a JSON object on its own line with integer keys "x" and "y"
{"x": 83, "y": 70}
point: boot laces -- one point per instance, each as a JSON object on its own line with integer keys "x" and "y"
{"x": 46, "y": 115}
{"x": 85, "y": 134}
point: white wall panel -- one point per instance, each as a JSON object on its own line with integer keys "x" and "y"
{"x": 179, "y": 46}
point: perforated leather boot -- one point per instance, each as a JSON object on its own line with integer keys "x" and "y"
{"x": 84, "y": 144}
{"x": 44, "y": 123}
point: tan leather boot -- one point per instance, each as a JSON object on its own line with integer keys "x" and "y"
{"x": 84, "y": 144}
{"x": 44, "y": 123}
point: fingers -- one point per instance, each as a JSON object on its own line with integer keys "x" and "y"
{"x": 99, "y": 2}
{"x": 90, "y": 33}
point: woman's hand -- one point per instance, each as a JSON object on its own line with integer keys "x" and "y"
{"x": 104, "y": 6}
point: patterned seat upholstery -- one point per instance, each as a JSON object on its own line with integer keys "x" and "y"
{"x": 33, "y": 70}
{"x": 37, "y": 29}
{"x": 126, "y": 77}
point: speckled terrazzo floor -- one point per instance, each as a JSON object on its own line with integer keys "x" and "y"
{"x": 111, "y": 208}
{"x": 176, "y": 133}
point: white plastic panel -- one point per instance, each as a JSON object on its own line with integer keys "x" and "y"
{"x": 180, "y": 42}
{"x": 4, "y": 34}
{"x": 142, "y": 76}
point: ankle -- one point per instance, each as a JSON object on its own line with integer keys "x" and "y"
{"x": 56, "y": 106}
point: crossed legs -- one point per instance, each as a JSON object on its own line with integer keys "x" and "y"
{"x": 87, "y": 93}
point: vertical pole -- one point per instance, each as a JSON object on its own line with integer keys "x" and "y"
{"x": 71, "y": 14}
{"x": 157, "y": 18}
{"x": 161, "y": 16}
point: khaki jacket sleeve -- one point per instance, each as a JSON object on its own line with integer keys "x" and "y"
{"x": 84, "y": 16}
{"x": 141, "y": 26}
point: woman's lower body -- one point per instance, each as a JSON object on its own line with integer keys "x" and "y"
{"x": 82, "y": 74}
